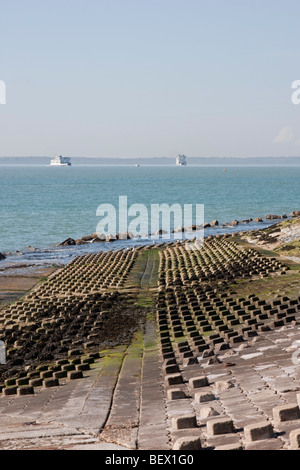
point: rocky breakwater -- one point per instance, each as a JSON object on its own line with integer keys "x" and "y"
{"x": 283, "y": 236}
{"x": 100, "y": 237}
{"x": 97, "y": 238}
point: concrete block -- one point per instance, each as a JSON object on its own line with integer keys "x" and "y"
{"x": 60, "y": 374}
{"x": 258, "y": 431}
{"x": 295, "y": 439}
{"x": 207, "y": 412}
{"x": 286, "y": 412}
{"x": 203, "y": 397}
{"x": 74, "y": 375}
{"x": 184, "y": 422}
{"x": 223, "y": 385}
{"x": 82, "y": 367}
{"x": 25, "y": 390}
{"x": 50, "y": 383}
{"x": 173, "y": 379}
{"x": 12, "y": 390}
{"x": 198, "y": 382}
{"x": 218, "y": 426}
{"x": 187, "y": 443}
{"x": 37, "y": 382}
{"x": 175, "y": 394}
{"x": 171, "y": 369}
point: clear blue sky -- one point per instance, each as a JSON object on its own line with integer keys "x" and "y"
{"x": 143, "y": 78}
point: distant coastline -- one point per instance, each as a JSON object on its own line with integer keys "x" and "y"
{"x": 205, "y": 161}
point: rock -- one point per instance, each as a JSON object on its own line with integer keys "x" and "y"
{"x": 2, "y": 256}
{"x": 67, "y": 242}
{"x": 160, "y": 232}
{"x": 295, "y": 214}
{"x": 178, "y": 229}
{"x": 214, "y": 223}
{"x": 87, "y": 238}
{"x": 80, "y": 242}
{"x": 99, "y": 237}
{"x": 192, "y": 228}
{"x": 111, "y": 238}
{"x": 272, "y": 216}
{"x": 125, "y": 236}
{"x": 258, "y": 219}
{"x": 207, "y": 225}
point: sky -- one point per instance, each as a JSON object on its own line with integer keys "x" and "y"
{"x": 149, "y": 78}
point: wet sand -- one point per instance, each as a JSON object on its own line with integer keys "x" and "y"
{"x": 17, "y": 280}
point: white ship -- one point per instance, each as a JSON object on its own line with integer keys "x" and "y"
{"x": 181, "y": 160}
{"x": 60, "y": 161}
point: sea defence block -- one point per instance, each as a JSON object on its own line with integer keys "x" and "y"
{"x": 198, "y": 382}
{"x": 219, "y": 426}
{"x": 286, "y": 413}
{"x": 184, "y": 422}
{"x": 175, "y": 394}
{"x": 12, "y": 390}
{"x": 203, "y": 397}
{"x": 171, "y": 369}
{"x": 295, "y": 439}
{"x": 25, "y": 390}
{"x": 207, "y": 412}
{"x": 173, "y": 379}
{"x": 74, "y": 375}
{"x": 50, "y": 383}
{"x": 187, "y": 443}
{"x": 258, "y": 431}
{"x": 37, "y": 382}
{"x": 223, "y": 385}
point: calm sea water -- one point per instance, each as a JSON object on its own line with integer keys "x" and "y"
{"x": 41, "y": 206}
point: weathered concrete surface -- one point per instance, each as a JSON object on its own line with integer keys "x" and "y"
{"x": 124, "y": 400}
{"x": 74, "y": 412}
{"x": 152, "y": 433}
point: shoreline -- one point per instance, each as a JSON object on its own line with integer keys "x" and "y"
{"x": 20, "y": 272}
{"x": 60, "y": 250}
{"x": 17, "y": 281}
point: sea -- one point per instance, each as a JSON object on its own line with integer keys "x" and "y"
{"x": 41, "y": 206}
